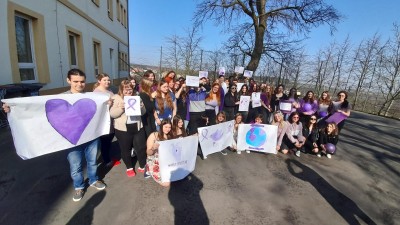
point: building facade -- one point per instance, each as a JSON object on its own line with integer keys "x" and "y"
{"x": 44, "y": 39}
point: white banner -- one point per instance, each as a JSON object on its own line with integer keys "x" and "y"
{"x": 192, "y": 81}
{"x": 46, "y": 124}
{"x": 248, "y": 73}
{"x": 203, "y": 74}
{"x": 177, "y": 158}
{"x": 239, "y": 69}
{"x": 132, "y": 105}
{"x": 257, "y": 137}
{"x": 216, "y": 137}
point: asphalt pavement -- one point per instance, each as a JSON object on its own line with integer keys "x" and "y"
{"x": 359, "y": 185}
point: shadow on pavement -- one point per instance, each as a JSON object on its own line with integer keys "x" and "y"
{"x": 85, "y": 214}
{"x": 343, "y": 205}
{"x": 184, "y": 196}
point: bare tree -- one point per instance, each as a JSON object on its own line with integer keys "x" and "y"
{"x": 263, "y": 22}
{"x": 191, "y": 50}
{"x": 391, "y": 79}
{"x": 173, "y": 54}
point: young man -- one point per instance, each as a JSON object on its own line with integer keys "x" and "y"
{"x": 76, "y": 78}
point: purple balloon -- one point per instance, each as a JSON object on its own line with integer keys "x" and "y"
{"x": 307, "y": 107}
{"x": 330, "y": 148}
{"x": 323, "y": 114}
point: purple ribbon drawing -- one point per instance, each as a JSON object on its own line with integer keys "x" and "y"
{"x": 204, "y": 133}
{"x": 131, "y": 103}
{"x": 70, "y": 120}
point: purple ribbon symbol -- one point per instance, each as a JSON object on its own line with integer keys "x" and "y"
{"x": 131, "y": 103}
{"x": 204, "y": 133}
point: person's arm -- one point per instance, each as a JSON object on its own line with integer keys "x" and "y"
{"x": 118, "y": 107}
{"x": 178, "y": 93}
{"x": 174, "y": 109}
{"x": 158, "y": 121}
{"x": 282, "y": 134}
{"x": 151, "y": 144}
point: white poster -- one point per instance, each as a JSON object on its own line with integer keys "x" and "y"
{"x": 132, "y": 105}
{"x": 46, "y": 124}
{"x": 248, "y": 73}
{"x": 203, "y": 74}
{"x": 221, "y": 71}
{"x": 239, "y": 86}
{"x": 239, "y": 69}
{"x": 216, "y": 137}
{"x": 257, "y": 137}
{"x": 177, "y": 158}
{"x": 256, "y": 99}
{"x": 244, "y": 103}
{"x": 192, "y": 81}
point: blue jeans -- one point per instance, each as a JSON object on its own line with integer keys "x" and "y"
{"x": 75, "y": 159}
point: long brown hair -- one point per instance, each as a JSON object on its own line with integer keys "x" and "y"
{"x": 218, "y": 94}
{"x": 160, "y": 100}
{"x": 125, "y": 83}
{"x": 326, "y": 101}
{"x": 145, "y": 86}
{"x": 175, "y": 127}
{"x": 99, "y": 77}
{"x": 160, "y": 132}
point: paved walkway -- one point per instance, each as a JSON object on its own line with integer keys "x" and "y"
{"x": 359, "y": 185}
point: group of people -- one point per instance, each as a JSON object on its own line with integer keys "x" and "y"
{"x": 171, "y": 109}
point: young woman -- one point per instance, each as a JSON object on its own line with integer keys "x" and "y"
{"x": 213, "y": 100}
{"x": 221, "y": 117}
{"x": 165, "y": 103}
{"x": 148, "y": 118}
{"x": 129, "y": 130}
{"x": 149, "y": 74}
{"x": 178, "y": 128}
{"x": 294, "y": 138}
{"x": 282, "y": 126}
{"x": 238, "y": 120}
{"x": 328, "y": 135}
{"x": 311, "y": 133}
{"x": 293, "y": 98}
{"x": 244, "y": 91}
{"x": 103, "y": 86}
{"x": 253, "y": 112}
{"x": 152, "y": 165}
{"x": 135, "y": 86}
{"x": 324, "y": 102}
{"x": 341, "y": 105}
{"x": 277, "y": 96}
{"x": 181, "y": 95}
{"x": 307, "y": 106}
{"x": 266, "y": 109}
{"x": 230, "y": 102}
{"x": 171, "y": 74}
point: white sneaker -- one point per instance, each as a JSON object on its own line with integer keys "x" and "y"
{"x": 239, "y": 152}
{"x": 298, "y": 153}
{"x": 247, "y": 151}
{"x": 329, "y": 156}
{"x": 319, "y": 155}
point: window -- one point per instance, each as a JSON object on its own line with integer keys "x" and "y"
{"x": 25, "y": 49}
{"x": 125, "y": 19}
{"x": 75, "y": 48}
{"x": 121, "y": 9}
{"x": 123, "y": 61}
{"x": 27, "y": 45}
{"x": 97, "y": 57}
{"x": 110, "y": 8}
{"x": 118, "y": 11}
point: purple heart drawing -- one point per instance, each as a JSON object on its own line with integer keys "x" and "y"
{"x": 70, "y": 120}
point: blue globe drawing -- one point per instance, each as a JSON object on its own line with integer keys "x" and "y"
{"x": 256, "y": 137}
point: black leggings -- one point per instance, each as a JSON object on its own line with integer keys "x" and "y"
{"x": 106, "y": 147}
{"x": 132, "y": 138}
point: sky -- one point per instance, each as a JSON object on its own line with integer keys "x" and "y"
{"x": 152, "y": 21}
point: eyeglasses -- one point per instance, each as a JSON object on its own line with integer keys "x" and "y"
{"x": 233, "y": 88}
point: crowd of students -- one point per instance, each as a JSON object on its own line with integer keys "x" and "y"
{"x": 171, "y": 109}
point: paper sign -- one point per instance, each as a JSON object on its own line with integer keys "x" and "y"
{"x": 256, "y": 99}
{"x": 244, "y": 103}
{"x": 337, "y": 117}
{"x": 248, "y": 73}
{"x": 214, "y": 138}
{"x": 132, "y": 105}
{"x": 203, "y": 74}
{"x": 192, "y": 81}
{"x": 239, "y": 86}
{"x": 285, "y": 106}
{"x": 221, "y": 71}
{"x": 177, "y": 158}
{"x": 239, "y": 69}
{"x": 257, "y": 137}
